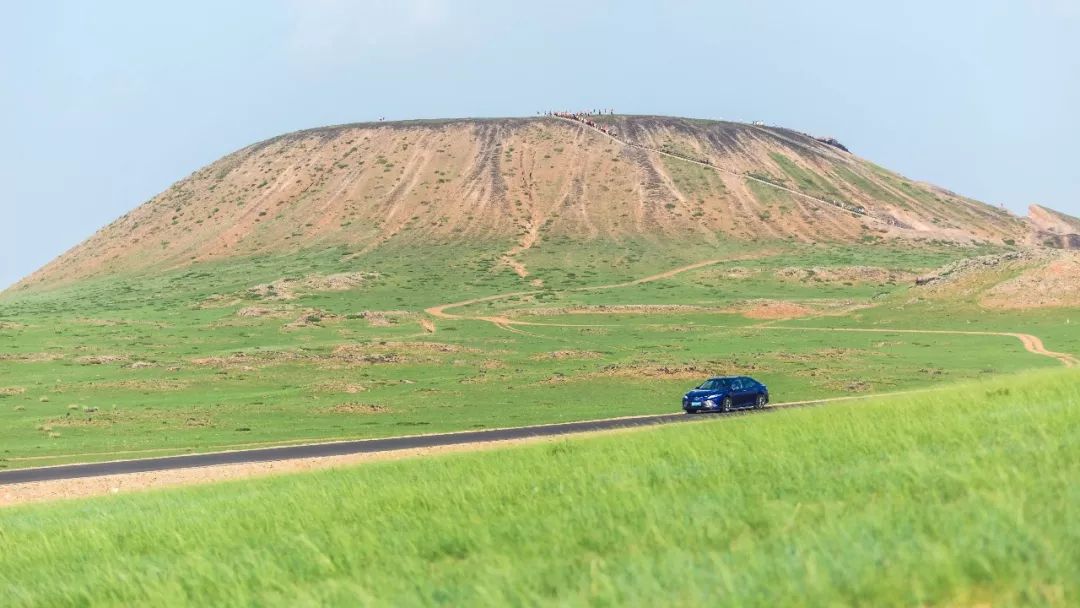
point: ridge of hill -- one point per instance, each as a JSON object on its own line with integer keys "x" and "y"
{"x": 1054, "y": 228}
{"x": 515, "y": 182}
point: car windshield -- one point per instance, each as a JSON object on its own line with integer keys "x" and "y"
{"x": 714, "y": 384}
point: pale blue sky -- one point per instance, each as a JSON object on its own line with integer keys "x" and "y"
{"x": 104, "y": 104}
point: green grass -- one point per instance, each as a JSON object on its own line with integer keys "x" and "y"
{"x": 964, "y": 496}
{"x": 869, "y": 187}
{"x": 806, "y": 181}
{"x": 195, "y": 377}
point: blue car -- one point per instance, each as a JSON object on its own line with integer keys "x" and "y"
{"x": 726, "y": 393}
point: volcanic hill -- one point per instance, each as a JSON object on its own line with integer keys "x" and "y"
{"x": 515, "y": 182}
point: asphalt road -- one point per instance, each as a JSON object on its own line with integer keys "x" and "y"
{"x": 340, "y": 448}
{"x": 367, "y": 446}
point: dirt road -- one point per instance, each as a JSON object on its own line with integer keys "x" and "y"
{"x": 1031, "y": 343}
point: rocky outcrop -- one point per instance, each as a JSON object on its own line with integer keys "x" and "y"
{"x": 969, "y": 266}
{"x": 831, "y": 141}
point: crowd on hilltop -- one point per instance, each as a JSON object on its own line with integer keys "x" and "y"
{"x": 586, "y": 119}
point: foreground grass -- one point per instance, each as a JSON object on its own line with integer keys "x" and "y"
{"x": 960, "y": 496}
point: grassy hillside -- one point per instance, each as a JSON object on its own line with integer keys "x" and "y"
{"x": 275, "y": 349}
{"x": 963, "y": 496}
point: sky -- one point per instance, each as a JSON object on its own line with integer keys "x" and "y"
{"x": 104, "y": 104}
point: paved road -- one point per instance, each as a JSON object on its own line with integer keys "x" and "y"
{"x": 316, "y": 450}
{"x": 367, "y": 446}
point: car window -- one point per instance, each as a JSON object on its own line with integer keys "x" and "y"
{"x": 737, "y": 384}
{"x": 715, "y": 384}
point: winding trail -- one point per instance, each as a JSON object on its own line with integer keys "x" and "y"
{"x": 1031, "y": 343}
{"x": 505, "y": 322}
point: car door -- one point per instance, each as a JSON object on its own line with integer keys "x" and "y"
{"x": 749, "y": 391}
{"x": 753, "y": 389}
{"x": 738, "y": 392}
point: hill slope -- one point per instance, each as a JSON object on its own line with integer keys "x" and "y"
{"x": 515, "y": 182}
{"x": 1053, "y": 228}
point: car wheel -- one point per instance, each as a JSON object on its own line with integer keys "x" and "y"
{"x": 725, "y": 405}
{"x": 761, "y": 401}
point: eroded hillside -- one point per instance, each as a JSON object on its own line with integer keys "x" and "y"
{"x": 515, "y": 182}
{"x": 1053, "y": 228}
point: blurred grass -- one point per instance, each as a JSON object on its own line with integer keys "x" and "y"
{"x": 963, "y": 496}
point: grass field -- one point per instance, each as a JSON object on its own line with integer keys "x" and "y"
{"x": 962, "y": 496}
{"x": 195, "y": 360}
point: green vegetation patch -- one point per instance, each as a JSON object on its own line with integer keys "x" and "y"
{"x": 806, "y": 181}
{"x": 872, "y": 189}
{"x": 693, "y": 179}
{"x": 962, "y": 496}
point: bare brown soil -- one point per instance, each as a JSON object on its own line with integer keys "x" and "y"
{"x": 560, "y": 355}
{"x": 1054, "y": 221}
{"x": 311, "y": 317}
{"x": 1034, "y": 278}
{"x": 358, "y": 408}
{"x": 609, "y": 309}
{"x": 402, "y": 347}
{"x": 256, "y": 311}
{"x": 1053, "y": 284}
{"x": 100, "y": 359}
{"x": 250, "y": 361}
{"x": 383, "y": 318}
{"x": 774, "y": 309}
{"x": 288, "y": 289}
{"x": 845, "y": 274}
{"x": 140, "y": 385}
{"x": 220, "y": 301}
{"x": 340, "y": 386}
{"x": 31, "y": 357}
{"x": 665, "y": 371}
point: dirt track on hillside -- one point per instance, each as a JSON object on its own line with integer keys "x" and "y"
{"x": 505, "y": 323}
{"x": 1031, "y": 343}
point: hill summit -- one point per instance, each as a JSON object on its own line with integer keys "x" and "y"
{"x": 515, "y": 182}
